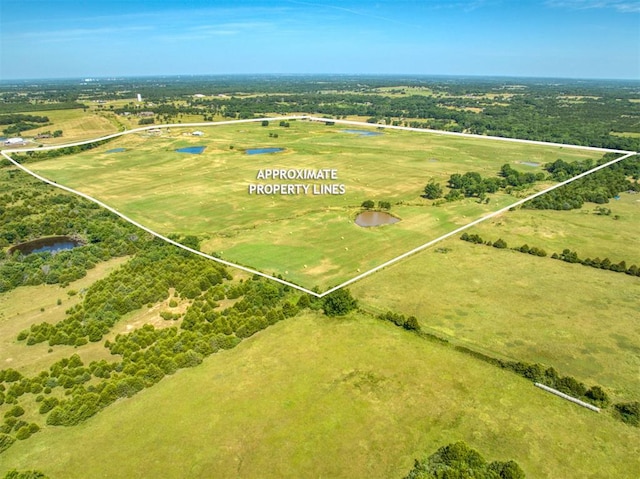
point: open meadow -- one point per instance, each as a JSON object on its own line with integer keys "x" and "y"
{"x": 580, "y": 320}
{"x": 319, "y": 397}
{"x": 309, "y": 239}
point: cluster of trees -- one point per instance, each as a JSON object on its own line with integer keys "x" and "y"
{"x": 146, "y": 279}
{"x": 339, "y": 303}
{"x": 370, "y": 204}
{"x": 70, "y": 391}
{"x": 459, "y": 461}
{"x": 19, "y": 122}
{"x": 30, "y": 209}
{"x": 598, "y": 187}
{"x": 472, "y": 184}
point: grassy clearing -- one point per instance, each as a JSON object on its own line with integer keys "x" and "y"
{"x": 580, "y": 320}
{"x": 22, "y": 307}
{"x": 313, "y": 397}
{"x": 207, "y": 194}
{"x": 583, "y": 231}
{"x": 75, "y": 124}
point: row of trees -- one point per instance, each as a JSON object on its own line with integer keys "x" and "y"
{"x": 567, "y": 255}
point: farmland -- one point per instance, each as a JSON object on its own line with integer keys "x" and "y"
{"x": 367, "y": 395}
{"x": 308, "y": 239}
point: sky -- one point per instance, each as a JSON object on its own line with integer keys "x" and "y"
{"x": 522, "y": 38}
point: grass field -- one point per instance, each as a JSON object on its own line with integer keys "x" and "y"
{"x": 308, "y": 239}
{"x": 315, "y": 397}
{"x": 591, "y": 235}
{"x": 76, "y": 125}
{"x": 580, "y": 320}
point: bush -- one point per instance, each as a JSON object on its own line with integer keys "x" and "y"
{"x": 15, "y": 411}
{"x": 5, "y": 442}
{"x": 629, "y": 412}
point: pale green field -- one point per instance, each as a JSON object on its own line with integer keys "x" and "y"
{"x": 580, "y": 320}
{"x": 583, "y": 231}
{"x": 309, "y": 239}
{"x": 75, "y": 124}
{"x": 347, "y": 398}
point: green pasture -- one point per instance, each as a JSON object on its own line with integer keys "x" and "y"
{"x": 339, "y": 398}
{"x": 591, "y": 235}
{"x": 301, "y": 237}
{"x": 580, "y": 320}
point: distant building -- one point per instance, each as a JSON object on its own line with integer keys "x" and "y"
{"x": 139, "y": 98}
{"x": 199, "y": 95}
{"x": 14, "y": 141}
{"x": 197, "y": 133}
{"x": 146, "y": 113}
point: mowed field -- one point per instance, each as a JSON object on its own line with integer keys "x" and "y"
{"x": 311, "y": 240}
{"x": 76, "y": 125}
{"x": 318, "y": 397}
{"x": 580, "y": 320}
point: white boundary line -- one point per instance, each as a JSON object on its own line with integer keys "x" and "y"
{"x": 4, "y": 153}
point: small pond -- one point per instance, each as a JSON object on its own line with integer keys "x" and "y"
{"x": 52, "y": 244}
{"x": 262, "y": 151}
{"x": 116, "y": 150}
{"x": 194, "y": 150}
{"x": 367, "y": 219}
{"x": 529, "y": 163}
{"x": 363, "y": 132}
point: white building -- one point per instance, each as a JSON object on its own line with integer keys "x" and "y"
{"x": 14, "y": 141}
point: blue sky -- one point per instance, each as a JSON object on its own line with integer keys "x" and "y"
{"x": 541, "y": 38}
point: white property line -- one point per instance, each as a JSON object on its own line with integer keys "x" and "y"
{"x": 568, "y": 398}
{"x": 626, "y": 154}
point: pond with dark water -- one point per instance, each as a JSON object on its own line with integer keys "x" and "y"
{"x": 367, "y": 219}
{"x": 194, "y": 150}
{"x": 116, "y": 150}
{"x": 51, "y": 244}
{"x": 262, "y": 151}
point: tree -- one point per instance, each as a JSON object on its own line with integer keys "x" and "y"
{"x": 368, "y": 204}
{"x": 500, "y": 243}
{"x": 433, "y": 191}
{"x": 339, "y": 303}
{"x": 265, "y": 122}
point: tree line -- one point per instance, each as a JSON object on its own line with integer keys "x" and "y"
{"x": 567, "y": 255}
